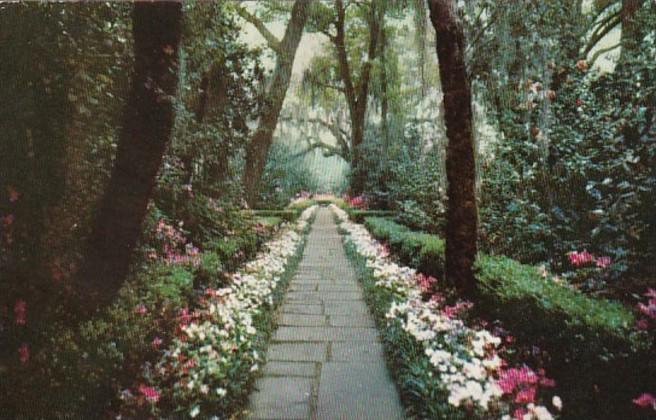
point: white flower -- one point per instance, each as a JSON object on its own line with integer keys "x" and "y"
{"x": 204, "y": 389}
{"x": 194, "y": 411}
{"x": 221, "y": 392}
{"x": 557, "y": 402}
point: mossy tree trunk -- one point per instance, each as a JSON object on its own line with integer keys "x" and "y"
{"x": 285, "y": 49}
{"x": 149, "y": 119}
{"x": 462, "y": 215}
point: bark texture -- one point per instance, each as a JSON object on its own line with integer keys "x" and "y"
{"x": 462, "y": 215}
{"x": 146, "y": 133}
{"x": 357, "y": 95}
{"x": 260, "y": 143}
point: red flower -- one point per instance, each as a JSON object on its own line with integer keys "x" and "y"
{"x": 13, "y": 194}
{"x": 149, "y": 392}
{"x": 140, "y": 309}
{"x": 24, "y": 353}
{"x": 8, "y": 219}
{"x": 20, "y": 312}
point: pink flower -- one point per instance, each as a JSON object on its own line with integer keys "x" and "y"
{"x": 149, "y": 392}
{"x": 603, "y": 262}
{"x": 645, "y": 400}
{"x": 651, "y": 293}
{"x": 519, "y": 413}
{"x": 642, "y": 324}
{"x": 526, "y": 395}
{"x": 581, "y": 258}
{"x": 24, "y": 353}
{"x": 649, "y": 310}
{"x": 156, "y": 342}
{"x": 20, "y": 312}
{"x": 140, "y": 309}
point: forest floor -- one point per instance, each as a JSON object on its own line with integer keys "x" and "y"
{"x": 325, "y": 359}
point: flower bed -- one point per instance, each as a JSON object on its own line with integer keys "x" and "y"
{"x": 446, "y": 366}
{"x": 208, "y": 368}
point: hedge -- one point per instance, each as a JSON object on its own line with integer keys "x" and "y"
{"x": 288, "y": 215}
{"x": 589, "y": 340}
{"x": 420, "y": 250}
{"x": 360, "y": 215}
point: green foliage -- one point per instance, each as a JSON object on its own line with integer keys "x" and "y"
{"x": 286, "y": 215}
{"x": 416, "y": 249}
{"x": 285, "y": 175}
{"x": 359, "y": 216}
{"x": 589, "y": 340}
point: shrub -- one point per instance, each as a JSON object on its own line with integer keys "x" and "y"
{"x": 359, "y": 216}
{"x": 589, "y": 340}
{"x": 286, "y": 215}
{"x": 416, "y": 249}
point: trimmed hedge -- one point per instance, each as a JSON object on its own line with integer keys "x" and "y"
{"x": 420, "y": 250}
{"x": 589, "y": 340}
{"x": 360, "y": 215}
{"x": 286, "y": 215}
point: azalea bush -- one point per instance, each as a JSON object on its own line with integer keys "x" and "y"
{"x": 448, "y": 365}
{"x": 215, "y": 352}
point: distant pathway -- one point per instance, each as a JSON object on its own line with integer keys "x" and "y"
{"x": 325, "y": 360}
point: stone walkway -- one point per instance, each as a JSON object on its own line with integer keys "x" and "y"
{"x": 325, "y": 360}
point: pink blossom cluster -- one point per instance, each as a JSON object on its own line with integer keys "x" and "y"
{"x": 648, "y": 311}
{"x": 359, "y": 201}
{"x": 578, "y": 259}
{"x": 523, "y": 383}
{"x": 175, "y": 249}
{"x": 425, "y": 283}
{"x": 646, "y": 400}
{"x": 149, "y": 393}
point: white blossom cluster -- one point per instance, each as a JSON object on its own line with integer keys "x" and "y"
{"x": 222, "y": 335}
{"x": 465, "y": 359}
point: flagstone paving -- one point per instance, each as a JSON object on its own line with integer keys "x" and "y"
{"x": 325, "y": 360}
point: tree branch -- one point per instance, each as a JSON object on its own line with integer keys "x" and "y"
{"x": 599, "y": 33}
{"x": 272, "y": 41}
{"x": 602, "y": 51}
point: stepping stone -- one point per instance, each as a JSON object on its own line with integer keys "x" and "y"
{"x": 359, "y": 391}
{"x": 304, "y": 369}
{"x": 299, "y": 320}
{"x": 298, "y": 308}
{"x": 361, "y": 320}
{"x": 357, "y": 352}
{"x": 298, "y": 352}
{"x": 325, "y": 334}
{"x": 281, "y": 398}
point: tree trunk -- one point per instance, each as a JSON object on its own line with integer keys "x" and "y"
{"x": 357, "y": 96}
{"x": 630, "y": 35}
{"x": 149, "y": 120}
{"x": 462, "y": 217}
{"x": 258, "y": 147}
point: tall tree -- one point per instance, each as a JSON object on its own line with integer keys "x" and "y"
{"x": 462, "y": 215}
{"x": 285, "y": 50}
{"x": 146, "y": 132}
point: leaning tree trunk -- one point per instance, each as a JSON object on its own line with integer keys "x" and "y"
{"x": 146, "y": 132}
{"x": 462, "y": 217}
{"x": 259, "y": 145}
{"x": 630, "y": 35}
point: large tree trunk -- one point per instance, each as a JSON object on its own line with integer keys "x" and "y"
{"x": 258, "y": 147}
{"x": 462, "y": 216}
{"x": 357, "y": 96}
{"x": 629, "y": 40}
{"x": 147, "y": 131}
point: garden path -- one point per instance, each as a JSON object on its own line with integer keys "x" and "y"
{"x": 325, "y": 360}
